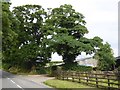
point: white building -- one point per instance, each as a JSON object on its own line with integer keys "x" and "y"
{"x": 90, "y": 61}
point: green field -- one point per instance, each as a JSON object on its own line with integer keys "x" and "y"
{"x": 66, "y": 84}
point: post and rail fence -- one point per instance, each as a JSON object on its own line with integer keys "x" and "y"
{"x": 100, "y": 79}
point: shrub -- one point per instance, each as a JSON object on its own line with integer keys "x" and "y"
{"x": 6, "y": 66}
{"x": 41, "y": 70}
{"x": 53, "y": 69}
{"x": 77, "y": 67}
{"x": 119, "y": 68}
{"x": 48, "y": 70}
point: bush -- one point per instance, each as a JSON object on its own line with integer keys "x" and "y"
{"x": 119, "y": 68}
{"x": 52, "y": 70}
{"x": 41, "y": 70}
{"x": 76, "y": 67}
{"x": 84, "y": 68}
{"x": 6, "y": 66}
{"x": 48, "y": 70}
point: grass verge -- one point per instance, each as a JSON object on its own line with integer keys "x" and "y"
{"x": 66, "y": 84}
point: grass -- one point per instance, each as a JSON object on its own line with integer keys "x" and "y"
{"x": 0, "y": 66}
{"x": 100, "y": 83}
{"x": 66, "y": 84}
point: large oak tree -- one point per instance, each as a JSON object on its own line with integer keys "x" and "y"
{"x": 67, "y": 29}
{"x": 32, "y": 37}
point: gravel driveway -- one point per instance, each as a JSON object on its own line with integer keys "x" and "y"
{"x": 36, "y": 78}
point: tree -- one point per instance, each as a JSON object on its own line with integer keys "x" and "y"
{"x": 105, "y": 57}
{"x": 66, "y": 28}
{"x": 29, "y": 33}
{"x": 32, "y": 37}
{"x": 9, "y": 37}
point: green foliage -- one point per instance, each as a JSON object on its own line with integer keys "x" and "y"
{"x": 32, "y": 43}
{"x": 77, "y": 68}
{"x": 9, "y": 37}
{"x": 119, "y": 68}
{"x": 41, "y": 70}
{"x": 67, "y": 29}
{"x": 23, "y": 38}
{"x": 105, "y": 57}
{"x": 48, "y": 70}
{"x": 0, "y": 59}
{"x": 6, "y": 66}
{"x": 30, "y": 33}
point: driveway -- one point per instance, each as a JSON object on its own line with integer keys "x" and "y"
{"x": 23, "y": 82}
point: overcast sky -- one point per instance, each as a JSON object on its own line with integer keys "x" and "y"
{"x": 101, "y": 17}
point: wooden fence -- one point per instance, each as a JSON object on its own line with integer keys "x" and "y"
{"x": 109, "y": 80}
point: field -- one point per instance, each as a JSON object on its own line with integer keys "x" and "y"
{"x": 66, "y": 84}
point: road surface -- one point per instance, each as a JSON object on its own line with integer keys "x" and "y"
{"x": 22, "y": 82}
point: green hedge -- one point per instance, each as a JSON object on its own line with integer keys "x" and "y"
{"x": 119, "y": 68}
{"x": 77, "y": 68}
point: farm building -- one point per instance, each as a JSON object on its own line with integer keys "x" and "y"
{"x": 90, "y": 61}
{"x": 117, "y": 62}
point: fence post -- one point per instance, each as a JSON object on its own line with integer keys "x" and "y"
{"x": 67, "y": 74}
{"x": 87, "y": 77}
{"x": 57, "y": 76}
{"x": 108, "y": 81}
{"x": 73, "y": 76}
{"x": 96, "y": 80}
{"x": 118, "y": 75}
{"x": 79, "y": 75}
{"x": 63, "y": 75}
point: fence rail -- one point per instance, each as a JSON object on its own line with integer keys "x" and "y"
{"x": 99, "y": 79}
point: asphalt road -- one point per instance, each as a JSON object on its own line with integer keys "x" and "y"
{"x": 10, "y": 82}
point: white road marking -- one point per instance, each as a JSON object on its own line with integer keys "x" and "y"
{"x": 19, "y": 86}
{"x": 15, "y": 83}
{"x": 12, "y": 81}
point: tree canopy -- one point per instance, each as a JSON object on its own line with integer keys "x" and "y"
{"x": 32, "y": 37}
{"x": 30, "y": 33}
{"x": 67, "y": 29}
{"x": 105, "y": 58}
{"x": 9, "y": 37}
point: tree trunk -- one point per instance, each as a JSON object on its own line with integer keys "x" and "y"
{"x": 68, "y": 59}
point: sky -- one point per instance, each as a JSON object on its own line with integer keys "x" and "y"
{"x": 101, "y": 17}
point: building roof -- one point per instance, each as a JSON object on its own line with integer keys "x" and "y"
{"x": 118, "y": 57}
{"x": 90, "y": 61}
{"x": 83, "y": 59}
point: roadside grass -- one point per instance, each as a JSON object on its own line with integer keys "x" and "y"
{"x": 104, "y": 83}
{"x": 0, "y": 66}
{"x": 66, "y": 84}
{"x": 22, "y": 71}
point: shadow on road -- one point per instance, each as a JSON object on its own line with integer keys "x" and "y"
{"x": 4, "y": 74}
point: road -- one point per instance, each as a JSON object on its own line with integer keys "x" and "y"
{"x": 22, "y": 82}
